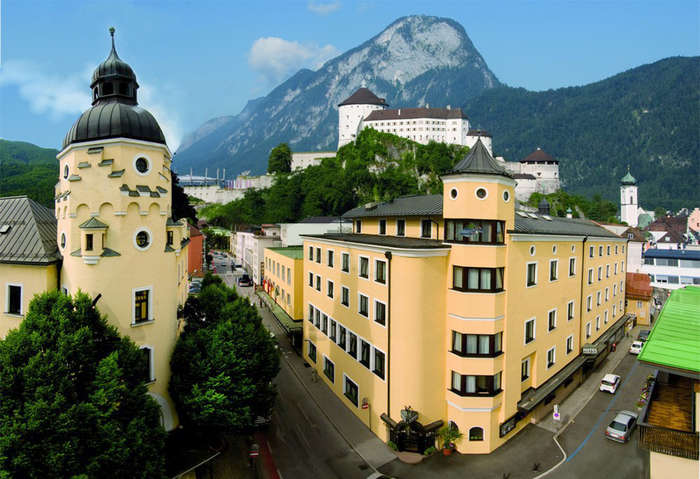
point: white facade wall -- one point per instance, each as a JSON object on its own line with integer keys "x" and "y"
{"x": 547, "y": 175}
{"x": 303, "y": 160}
{"x": 423, "y": 130}
{"x": 628, "y": 204}
{"x": 634, "y": 256}
{"x": 524, "y": 188}
{"x": 349, "y": 118}
{"x": 291, "y": 232}
{"x": 250, "y": 252}
{"x": 214, "y": 194}
{"x": 486, "y": 140}
{"x": 672, "y": 277}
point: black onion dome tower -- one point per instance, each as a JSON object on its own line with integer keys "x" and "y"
{"x": 115, "y": 112}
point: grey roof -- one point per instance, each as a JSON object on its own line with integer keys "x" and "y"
{"x": 418, "y": 205}
{"x": 31, "y": 238}
{"x": 412, "y": 113}
{"x": 93, "y": 223}
{"x": 523, "y": 176}
{"x": 558, "y": 226}
{"x": 384, "y": 241}
{"x": 480, "y": 161}
{"x": 322, "y": 219}
{"x": 363, "y": 96}
{"x": 539, "y": 156}
{"x": 672, "y": 253}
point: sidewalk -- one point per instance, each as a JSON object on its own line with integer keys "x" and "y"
{"x": 370, "y": 448}
{"x": 578, "y": 399}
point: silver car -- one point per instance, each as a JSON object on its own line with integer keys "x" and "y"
{"x": 621, "y": 427}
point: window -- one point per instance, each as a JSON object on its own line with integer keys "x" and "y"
{"x": 330, "y": 258}
{"x": 88, "y": 242}
{"x": 591, "y": 251}
{"x": 328, "y": 369}
{"x": 531, "y": 274}
{"x": 142, "y": 239}
{"x": 570, "y": 311}
{"x": 476, "y": 434}
{"x": 364, "y": 353}
{"x": 382, "y": 227}
{"x": 553, "y": 269}
{"x": 352, "y": 344}
{"x": 311, "y": 313}
{"x": 318, "y": 255}
{"x": 351, "y": 391}
{"x": 590, "y": 276}
{"x": 364, "y": 306}
{"x": 474, "y": 231}
{"x": 600, "y": 250}
{"x": 14, "y": 299}
{"x": 147, "y": 353}
{"x": 614, "y": 290}
{"x": 378, "y": 368}
{"x": 607, "y": 294}
{"x": 400, "y": 227}
{"x": 600, "y": 273}
{"x": 169, "y": 240}
{"x": 477, "y": 279}
{"x": 529, "y": 330}
{"x": 605, "y": 317}
{"x": 332, "y": 332}
{"x": 318, "y": 283}
{"x": 364, "y": 267}
{"x": 588, "y": 329}
{"x": 329, "y": 285}
{"x": 141, "y": 306}
{"x": 589, "y": 303}
{"x": 622, "y": 266}
{"x": 379, "y": 312}
{"x": 552, "y": 319}
{"x": 311, "y": 253}
{"x": 615, "y": 268}
{"x": 345, "y": 266}
{"x": 311, "y": 351}
{"x": 311, "y": 280}
{"x": 426, "y": 228}
{"x": 614, "y": 310}
{"x": 476, "y": 385}
{"x": 324, "y": 324}
{"x": 342, "y": 337}
{"x": 380, "y": 271}
{"x": 344, "y": 296}
{"x": 525, "y": 369}
{"x": 476, "y": 344}
{"x": 607, "y": 270}
{"x": 569, "y": 344}
{"x": 65, "y": 172}
{"x": 616, "y": 247}
{"x": 551, "y": 357}
{"x": 598, "y": 300}
{"x": 289, "y": 276}
{"x": 572, "y": 266}
{"x": 597, "y": 323}
{"x": 358, "y": 226}
{"x": 317, "y": 318}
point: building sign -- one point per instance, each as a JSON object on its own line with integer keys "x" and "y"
{"x": 590, "y": 350}
{"x": 508, "y": 426}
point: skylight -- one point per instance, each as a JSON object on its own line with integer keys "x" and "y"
{"x": 4, "y": 229}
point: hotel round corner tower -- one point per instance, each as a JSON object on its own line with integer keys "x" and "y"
{"x": 115, "y": 230}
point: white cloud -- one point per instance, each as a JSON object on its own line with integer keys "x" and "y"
{"x": 275, "y": 58}
{"x": 69, "y": 95}
{"x": 323, "y": 8}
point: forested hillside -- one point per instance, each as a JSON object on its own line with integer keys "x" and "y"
{"x": 27, "y": 169}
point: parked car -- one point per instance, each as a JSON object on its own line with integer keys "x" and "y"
{"x": 610, "y": 383}
{"x": 643, "y": 335}
{"x": 195, "y": 288}
{"x": 636, "y": 347}
{"x": 621, "y": 427}
{"x": 245, "y": 280}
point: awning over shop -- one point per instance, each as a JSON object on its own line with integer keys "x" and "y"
{"x": 533, "y": 397}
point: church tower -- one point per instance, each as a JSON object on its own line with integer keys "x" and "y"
{"x": 353, "y": 110}
{"x": 115, "y": 231}
{"x": 628, "y": 199}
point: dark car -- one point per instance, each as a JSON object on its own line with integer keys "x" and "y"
{"x": 643, "y": 335}
{"x": 245, "y": 281}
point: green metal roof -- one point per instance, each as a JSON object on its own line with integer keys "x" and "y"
{"x": 628, "y": 179}
{"x": 674, "y": 342}
{"x": 294, "y": 252}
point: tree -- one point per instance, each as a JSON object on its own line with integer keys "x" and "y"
{"x": 73, "y": 401}
{"x": 223, "y": 363}
{"x": 181, "y": 202}
{"x": 280, "y": 159}
{"x": 659, "y": 212}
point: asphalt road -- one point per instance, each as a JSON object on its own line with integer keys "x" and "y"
{"x": 303, "y": 441}
{"x": 589, "y": 453}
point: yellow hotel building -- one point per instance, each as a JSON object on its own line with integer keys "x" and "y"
{"x": 112, "y": 236}
{"x": 283, "y": 279}
{"x": 457, "y": 309}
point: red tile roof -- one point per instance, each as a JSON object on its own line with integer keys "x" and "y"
{"x": 638, "y": 285}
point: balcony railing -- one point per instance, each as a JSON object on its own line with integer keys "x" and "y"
{"x": 668, "y": 441}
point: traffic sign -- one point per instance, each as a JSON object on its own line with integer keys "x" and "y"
{"x": 555, "y": 415}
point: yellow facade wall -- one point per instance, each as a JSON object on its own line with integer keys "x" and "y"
{"x": 640, "y": 307}
{"x": 286, "y": 274}
{"x": 34, "y": 279}
{"x": 662, "y": 466}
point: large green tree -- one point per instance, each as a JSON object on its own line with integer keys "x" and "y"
{"x": 223, "y": 363}
{"x": 181, "y": 202}
{"x": 280, "y": 159}
{"x": 73, "y": 402}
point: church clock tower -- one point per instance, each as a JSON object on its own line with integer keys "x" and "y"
{"x": 628, "y": 199}
{"x": 115, "y": 231}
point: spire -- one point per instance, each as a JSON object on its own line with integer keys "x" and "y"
{"x": 480, "y": 161}
{"x": 111, "y": 32}
{"x": 113, "y": 79}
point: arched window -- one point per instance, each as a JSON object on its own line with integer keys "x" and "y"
{"x": 107, "y": 88}
{"x": 476, "y": 434}
{"x": 631, "y": 200}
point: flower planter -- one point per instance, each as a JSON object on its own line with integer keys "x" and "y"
{"x": 447, "y": 451}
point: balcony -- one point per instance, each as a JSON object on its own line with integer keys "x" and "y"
{"x": 667, "y": 425}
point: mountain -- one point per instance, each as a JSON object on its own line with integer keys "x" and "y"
{"x": 28, "y": 170}
{"x": 417, "y": 60}
{"x": 646, "y": 118}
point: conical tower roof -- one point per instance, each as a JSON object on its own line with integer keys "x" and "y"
{"x": 480, "y": 161}
{"x": 364, "y": 96}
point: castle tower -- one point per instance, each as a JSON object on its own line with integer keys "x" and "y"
{"x": 353, "y": 109}
{"x": 628, "y": 199}
{"x": 115, "y": 231}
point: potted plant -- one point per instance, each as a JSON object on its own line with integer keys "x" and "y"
{"x": 448, "y": 435}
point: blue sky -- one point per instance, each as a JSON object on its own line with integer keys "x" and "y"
{"x": 196, "y": 60}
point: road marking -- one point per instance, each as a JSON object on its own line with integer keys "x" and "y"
{"x": 603, "y": 414}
